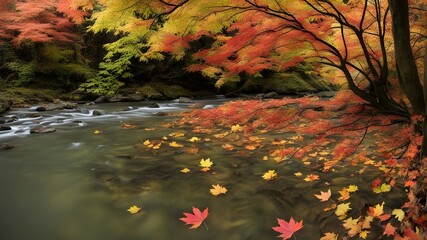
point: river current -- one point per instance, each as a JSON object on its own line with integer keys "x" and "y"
{"x": 77, "y": 182}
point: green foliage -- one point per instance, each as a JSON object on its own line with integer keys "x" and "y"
{"x": 52, "y": 53}
{"x": 116, "y": 65}
{"x": 25, "y": 71}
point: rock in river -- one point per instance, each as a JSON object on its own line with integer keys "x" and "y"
{"x": 5, "y": 146}
{"x": 42, "y": 129}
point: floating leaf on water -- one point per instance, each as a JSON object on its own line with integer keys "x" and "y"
{"x": 324, "y": 196}
{"x": 196, "y": 218}
{"x": 383, "y": 188}
{"x": 218, "y": 189}
{"x": 287, "y": 229}
{"x": 206, "y": 163}
{"x": 134, "y": 209}
{"x": 185, "y": 170}
{"x": 311, "y": 178}
{"x": 269, "y": 175}
{"x": 236, "y": 128}
{"x": 194, "y": 139}
{"x": 97, "y": 132}
{"x": 398, "y": 213}
{"x": 175, "y": 144}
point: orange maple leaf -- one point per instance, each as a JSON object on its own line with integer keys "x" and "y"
{"x": 389, "y": 230}
{"x": 324, "y": 196}
{"x": 287, "y": 229}
{"x": 195, "y": 219}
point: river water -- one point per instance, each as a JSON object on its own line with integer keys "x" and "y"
{"x": 78, "y": 182}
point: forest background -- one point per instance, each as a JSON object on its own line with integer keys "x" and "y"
{"x": 372, "y": 51}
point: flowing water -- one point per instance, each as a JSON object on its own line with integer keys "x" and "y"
{"x": 75, "y": 184}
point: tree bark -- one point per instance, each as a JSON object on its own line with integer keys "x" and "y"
{"x": 405, "y": 61}
{"x": 423, "y": 153}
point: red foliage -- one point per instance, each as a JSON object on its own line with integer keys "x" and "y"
{"x": 38, "y": 20}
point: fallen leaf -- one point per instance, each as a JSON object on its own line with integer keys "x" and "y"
{"x": 127, "y": 126}
{"x": 147, "y": 142}
{"x": 250, "y": 147}
{"x": 195, "y": 219}
{"x": 398, "y": 213}
{"x": 298, "y": 174}
{"x": 150, "y": 129}
{"x": 363, "y": 234}
{"x": 218, "y": 189}
{"x": 389, "y": 230}
{"x": 97, "y": 132}
{"x": 352, "y": 188}
{"x": 134, "y": 209}
{"x": 311, "y": 178}
{"x": 185, "y": 170}
{"x": 176, "y": 134}
{"x": 329, "y": 236}
{"x": 157, "y": 146}
{"x": 342, "y": 209}
{"x": 287, "y": 229}
{"x": 228, "y": 147}
{"x": 344, "y": 195}
{"x": 324, "y": 196}
{"x": 175, "y": 144}
{"x": 332, "y": 207}
{"x": 236, "y": 128}
{"x": 269, "y": 175}
{"x": 353, "y": 226}
{"x": 206, "y": 163}
{"x": 376, "y": 211}
{"x": 194, "y": 139}
{"x": 265, "y": 158}
{"x": 383, "y": 188}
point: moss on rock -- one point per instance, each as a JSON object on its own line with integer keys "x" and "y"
{"x": 285, "y": 83}
{"x": 150, "y": 93}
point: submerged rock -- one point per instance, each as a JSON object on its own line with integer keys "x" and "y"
{"x": 4, "y": 120}
{"x": 5, "y": 128}
{"x": 5, "y": 146}
{"x": 42, "y": 129}
{"x": 184, "y": 100}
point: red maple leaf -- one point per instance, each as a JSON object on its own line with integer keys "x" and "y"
{"x": 195, "y": 219}
{"x": 287, "y": 229}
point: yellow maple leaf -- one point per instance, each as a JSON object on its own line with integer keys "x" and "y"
{"x": 329, "y": 236}
{"x": 353, "y": 226}
{"x": 176, "y": 134}
{"x": 298, "y": 174}
{"x": 175, "y": 144}
{"x": 398, "y": 213}
{"x": 363, "y": 234}
{"x": 342, "y": 209}
{"x": 352, "y": 188}
{"x": 165, "y": 138}
{"x": 265, "y": 158}
{"x": 376, "y": 211}
{"x": 218, "y": 189}
{"x": 383, "y": 188}
{"x": 236, "y": 128}
{"x": 185, "y": 170}
{"x": 147, "y": 142}
{"x": 134, "y": 209}
{"x": 206, "y": 163}
{"x": 97, "y": 132}
{"x": 269, "y": 175}
{"x": 194, "y": 139}
{"x": 157, "y": 146}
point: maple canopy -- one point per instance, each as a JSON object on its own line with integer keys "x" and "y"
{"x": 251, "y": 36}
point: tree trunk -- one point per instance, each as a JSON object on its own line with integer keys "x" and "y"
{"x": 405, "y": 61}
{"x": 424, "y": 143}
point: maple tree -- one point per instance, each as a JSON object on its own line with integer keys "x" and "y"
{"x": 40, "y": 21}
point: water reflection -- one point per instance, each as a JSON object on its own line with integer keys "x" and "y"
{"x": 74, "y": 184}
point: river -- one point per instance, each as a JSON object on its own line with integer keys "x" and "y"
{"x": 78, "y": 182}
